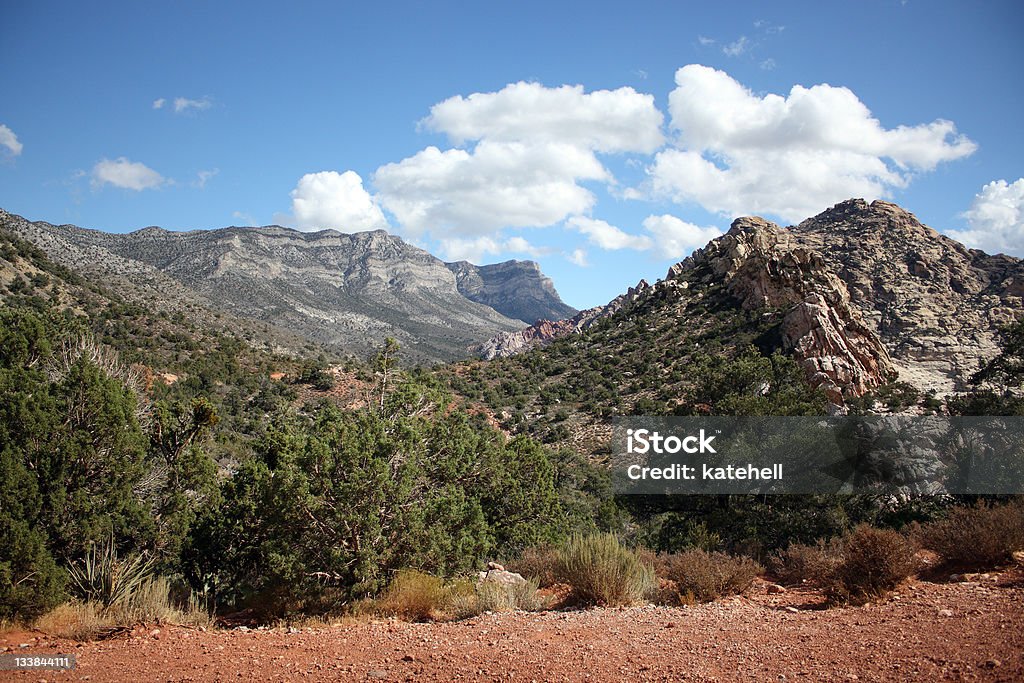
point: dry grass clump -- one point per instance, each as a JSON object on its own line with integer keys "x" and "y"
{"x": 152, "y": 601}
{"x": 702, "y": 576}
{"x": 499, "y": 597}
{"x": 982, "y": 536}
{"x": 76, "y": 621}
{"x": 539, "y": 562}
{"x": 602, "y": 571}
{"x": 872, "y": 563}
{"x": 416, "y": 596}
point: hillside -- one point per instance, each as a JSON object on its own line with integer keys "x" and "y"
{"x": 345, "y": 292}
{"x": 861, "y": 296}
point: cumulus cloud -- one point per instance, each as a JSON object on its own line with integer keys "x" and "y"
{"x": 523, "y": 155}
{"x": 668, "y": 236}
{"x": 579, "y": 258}
{"x": 496, "y": 185}
{"x": 737, "y": 152}
{"x": 159, "y": 103}
{"x": 675, "y": 238}
{"x": 476, "y": 249}
{"x": 184, "y": 104}
{"x": 607, "y": 236}
{"x": 621, "y": 120}
{"x": 9, "y": 140}
{"x": 126, "y": 174}
{"x": 996, "y": 219}
{"x": 329, "y": 199}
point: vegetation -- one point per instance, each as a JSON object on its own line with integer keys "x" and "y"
{"x": 872, "y": 562}
{"x": 702, "y": 576}
{"x": 602, "y": 571}
{"x": 151, "y": 467}
{"x": 975, "y": 537}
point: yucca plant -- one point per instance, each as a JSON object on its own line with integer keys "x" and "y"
{"x": 105, "y": 578}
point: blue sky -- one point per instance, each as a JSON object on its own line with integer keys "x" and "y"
{"x": 603, "y": 140}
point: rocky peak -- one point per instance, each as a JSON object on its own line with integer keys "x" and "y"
{"x": 935, "y": 304}
{"x": 517, "y": 289}
{"x": 764, "y": 268}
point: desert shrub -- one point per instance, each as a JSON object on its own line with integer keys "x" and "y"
{"x": 800, "y": 563}
{"x": 500, "y": 597}
{"x": 414, "y": 596}
{"x": 703, "y": 576}
{"x": 979, "y": 536}
{"x": 538, "y": 562}
{"x": 603, "y": 571}
{"x": 872, "y": 563}
{"x": 105, "y": 578}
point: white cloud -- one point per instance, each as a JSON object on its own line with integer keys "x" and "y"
{"x": 520, "y": 245}
{"x": 126, "y": 174}
{"x": 674, "y": 238}
{"x": 184, "y": 104}
{"x": 531, "y": 148}
{"x": 9, "y": 140}
{"x": 739, "y": 153}
{"x": 329, "y": 199}
{"x": 159, "y": 103}
{"x": 767, "y": 64}
{"x": 737, "y": 47}
{"x": 667, "y": 236}
{"x": 476, "y": 249}
{"x": 621, "y": 120}
{"x": 473, "y": 250}
{"x": 497, "y": 185}
{"x": 579, "y": 258}
{"x": 996, "y": 219}
{"x": 203, "y": 176}
{"x": 705, "y": 41}
{"x": 607, "y": 236}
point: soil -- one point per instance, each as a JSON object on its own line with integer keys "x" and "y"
{"x": 971, "y": 630}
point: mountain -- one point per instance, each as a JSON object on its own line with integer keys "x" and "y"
{"x": 861, "y": 294}
{"x": 516, "y": 289}
{"x": 347, "y": 292}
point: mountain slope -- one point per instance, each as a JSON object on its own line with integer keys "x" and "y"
{"x": 345, "y": 291}
{"x": 935, "y": 304}
{"x": 864, "y": 274}
{"x": 516, "y": 289}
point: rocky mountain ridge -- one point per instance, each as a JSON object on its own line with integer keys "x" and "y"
{"x": 517, "y": 289}
{"x": 865, "y": 294}
{"x": 345, "y": 291}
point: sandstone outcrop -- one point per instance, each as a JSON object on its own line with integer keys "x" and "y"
{"x": 865, "y": 292}
{"x": 764, "y": 268}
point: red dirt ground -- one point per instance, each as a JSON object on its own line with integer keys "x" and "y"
{"x": 926, "y": 631}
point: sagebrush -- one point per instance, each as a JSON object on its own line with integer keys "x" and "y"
{"x": 602, "y": 571}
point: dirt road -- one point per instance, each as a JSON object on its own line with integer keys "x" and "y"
{"x": 927, "y": 632}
